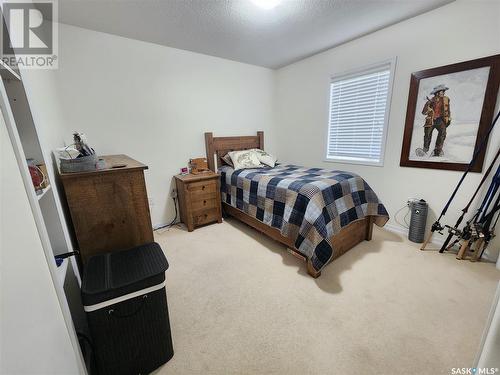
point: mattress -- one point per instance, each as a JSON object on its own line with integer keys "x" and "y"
{"x": 307, "y": 205}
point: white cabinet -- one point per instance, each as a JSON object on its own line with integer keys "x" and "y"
{"x": 37, "y": 330}
{"x": 489, "y": 352}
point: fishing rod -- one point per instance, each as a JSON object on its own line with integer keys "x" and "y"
{"x": 453, "y": 230}
{"x": 490, "y": 195}
{"x": 488, "y": 232}
{"x": 496, "y": 221}
{"x": 478, "y": 229}
{"x": 490, "y": 236}
{"x": 488, "y": 218}
{"x": 481, "y": 230}
{"x": 436, "y": 226}
{"x": 483, "y": 208}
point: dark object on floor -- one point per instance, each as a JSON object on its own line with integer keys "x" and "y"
{"x": 124, "y": 296}
{"x": 418, "y": 220}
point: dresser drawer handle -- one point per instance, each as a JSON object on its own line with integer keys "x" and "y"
{"x": 203, "y": 187}
{"x": 206, "y": 215}
{"x": 204, "y": 202}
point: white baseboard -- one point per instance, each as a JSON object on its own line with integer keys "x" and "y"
{"x": 436, "y": 242}
{"x": 396, "y": 229}
{"x": 437, "y": 239}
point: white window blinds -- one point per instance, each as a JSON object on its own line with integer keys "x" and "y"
{"x": 358, "y": 116}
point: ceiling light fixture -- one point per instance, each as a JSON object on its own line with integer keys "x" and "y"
{"x": 266, "y": 4}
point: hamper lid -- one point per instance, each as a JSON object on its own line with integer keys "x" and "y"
{"x": 111, "y": 275}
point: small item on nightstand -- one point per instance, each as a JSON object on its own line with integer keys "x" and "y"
{"x": 198, "y": 165}
{"x": 184, "y": 171}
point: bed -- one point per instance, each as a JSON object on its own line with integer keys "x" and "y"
{"x": 318, "y": 214}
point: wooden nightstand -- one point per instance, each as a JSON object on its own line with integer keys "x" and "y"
{"x": 199, "y": 199}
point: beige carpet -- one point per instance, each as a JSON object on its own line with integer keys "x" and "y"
{"x": 239, "y": 304}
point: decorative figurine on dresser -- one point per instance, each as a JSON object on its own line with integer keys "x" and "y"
{"x": 199, "y": 199}
{"x": 109, "y": 206}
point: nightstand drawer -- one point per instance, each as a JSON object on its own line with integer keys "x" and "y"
{"x": 202, "y": 187}
{"x": 204, "y": 203}
{"x": 206, "y": 216}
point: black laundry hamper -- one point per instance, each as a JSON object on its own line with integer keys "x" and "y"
{"x": 124, "y": 297}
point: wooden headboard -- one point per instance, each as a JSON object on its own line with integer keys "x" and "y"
{"x": 220, "y": 146}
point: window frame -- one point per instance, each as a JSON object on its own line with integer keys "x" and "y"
{"x": 367, "y": 69}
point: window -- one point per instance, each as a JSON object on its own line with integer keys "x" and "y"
{"x": 359, "y": 111}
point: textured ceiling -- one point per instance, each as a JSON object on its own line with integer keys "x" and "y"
{"x": 238, "y": 29}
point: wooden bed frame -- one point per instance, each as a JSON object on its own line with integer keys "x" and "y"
{"x": 345, "y": 240}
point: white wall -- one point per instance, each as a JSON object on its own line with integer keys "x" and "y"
{"x": 148, "y": 101}
{"x": 33, "y": 334}
{"x": 46, "y": 107}
{"x": 489, "y": 351}
{"x": 456, "y": 32}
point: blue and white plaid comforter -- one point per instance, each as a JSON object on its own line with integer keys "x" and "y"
{"x": 308, "y": 205}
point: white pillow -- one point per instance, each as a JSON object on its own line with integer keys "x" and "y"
{"x": 245, "y": 159}
{"x": 265, "y": 158}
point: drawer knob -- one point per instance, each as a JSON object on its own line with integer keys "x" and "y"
{"x": 206, "y": 215}
{"x": 204, "y": 202}
{"x": 203, "y": 187}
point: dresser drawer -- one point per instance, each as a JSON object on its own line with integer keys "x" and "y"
{"x": 202, "y": 187}
{"x": 205, "y": 216}
{"x": 204, "y": 203}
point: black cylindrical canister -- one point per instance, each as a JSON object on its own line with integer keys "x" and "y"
{"x": 418, "y": 220}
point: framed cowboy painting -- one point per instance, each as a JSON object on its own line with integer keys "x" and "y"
{"x": 449, "y": 113}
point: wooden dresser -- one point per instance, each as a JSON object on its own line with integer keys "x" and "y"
{"x": 109, "y": 207}
{"x": 199, "y": 199}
